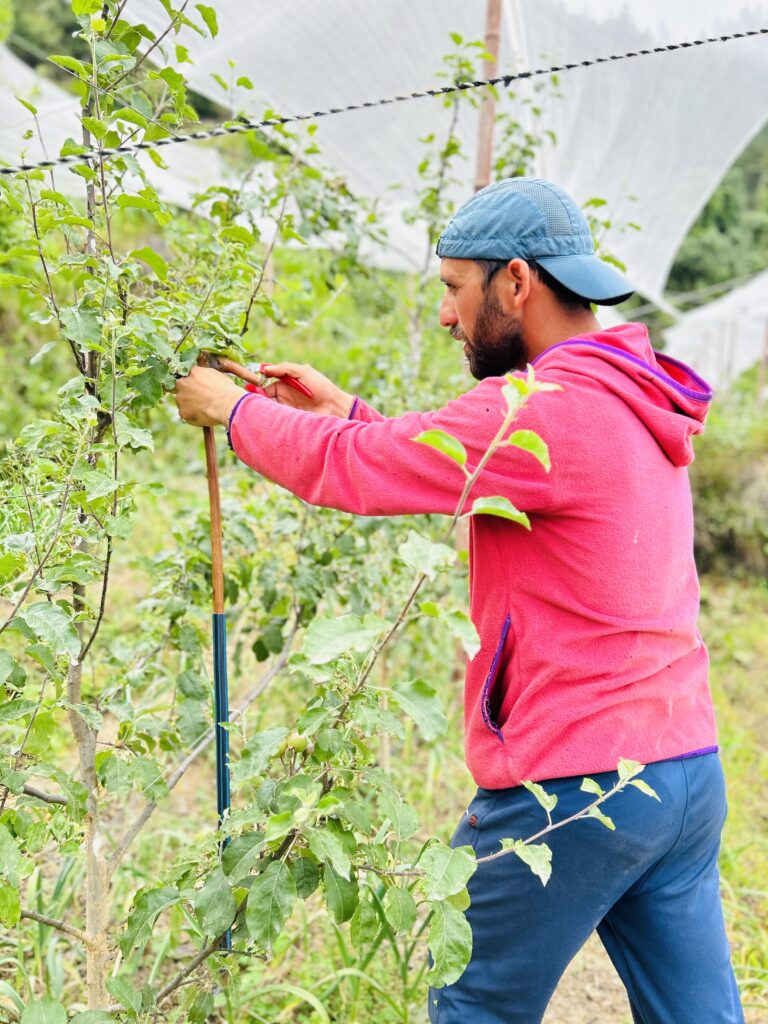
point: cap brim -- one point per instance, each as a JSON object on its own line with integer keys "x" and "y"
{"x": 588, "y": 277}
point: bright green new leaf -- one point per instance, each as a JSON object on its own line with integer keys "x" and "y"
{"x": 52, "y": 626}
{"x": 645, "y": 788}
{"x": 10, "y": 906}
{"x": 236, "y": 233}
{"x": 71, "y": 64}
{"x": 547, "y": 800}
{"x": 215, "y": 906}
{"x": 530, "y": 441}
{"x": 537, "y": 856}
{"x": 14, "y": 281}
{"x": 463, "y": 628}
{"x": 498, "y": 506}
{"x": 44, "y": 1011}
{"x": 444, "y": 443}
{"x": 595, "y": 812}
{"x": 419, "y": 700}
{"x": 86, "y": 7}
{"x": 327, "y": 639}
{"x": 447, "y": 870}
{"x": 424, "y": 555}
{"x": 629, "y": 769}
{"x": 208, "y": 14}
{"x": 11, "y": 564}
{"x": 141, "y": 920}
{"x": 590, "y": 786}
{"x": 270, "y": 901}
{"x": 450, "y": 943}
{"x": 342, "y": 896}
{"x": 152, "y": 259}
{"x": 399, "y": 909}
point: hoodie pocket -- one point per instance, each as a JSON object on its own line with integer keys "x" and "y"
{"x": 487, "y": 702}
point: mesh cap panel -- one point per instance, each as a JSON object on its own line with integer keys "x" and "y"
{"x": 546, "y": 201}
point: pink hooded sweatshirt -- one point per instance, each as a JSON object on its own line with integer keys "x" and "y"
{"x": 589, "y": 646}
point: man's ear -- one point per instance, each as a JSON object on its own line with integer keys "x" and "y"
{"x": 514, "y": 285}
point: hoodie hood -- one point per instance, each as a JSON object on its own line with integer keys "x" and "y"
{"x": 666, "y": 395}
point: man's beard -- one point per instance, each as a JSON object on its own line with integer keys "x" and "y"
{"x": 497, "y": 345}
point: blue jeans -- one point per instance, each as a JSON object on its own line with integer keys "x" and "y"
{"x": 650, "y": 889}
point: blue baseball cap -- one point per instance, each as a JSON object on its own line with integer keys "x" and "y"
{"x": 532, "y": 219}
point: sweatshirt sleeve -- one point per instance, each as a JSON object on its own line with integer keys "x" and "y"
{"x": 370, "y": 464}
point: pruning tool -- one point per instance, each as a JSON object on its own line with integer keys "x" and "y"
{"x": 255, "y": 380}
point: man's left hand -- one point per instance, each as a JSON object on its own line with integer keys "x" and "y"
{"x": 206, "y": 397}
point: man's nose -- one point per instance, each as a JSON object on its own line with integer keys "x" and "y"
{"x": 448, "y": 316}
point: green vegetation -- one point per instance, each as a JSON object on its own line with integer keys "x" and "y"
{"x": 348, "y": 771}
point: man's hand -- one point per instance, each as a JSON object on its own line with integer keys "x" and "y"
{"x": 206, "y": 397}
{"x": 327, "y": 398}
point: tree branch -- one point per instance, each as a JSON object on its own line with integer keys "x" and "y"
{"x": 48, "y": 798}
{"x": 60, "y": 926}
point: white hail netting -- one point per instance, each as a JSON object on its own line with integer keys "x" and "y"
{"x": 652, "y": 136}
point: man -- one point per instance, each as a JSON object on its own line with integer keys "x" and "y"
{"x": 590, "y": 650}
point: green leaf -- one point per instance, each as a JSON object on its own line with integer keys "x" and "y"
{"x": 342, "y": 896}
{"x": 241, "y": 855}
{"x": 450, "y": 943}
{"x": 10, "y": 672}
{"x": 208, "y": 14}
{"x": 399, "y": 909}
{"x": 537, "y": 856}
{"x": 91, "y": 716}
{"x": 402, "y": 816}
{"x": 236, "y": 233}
{"x": 628, "y": 769}
{"x": 152, "y": 259}
{"x": 419, "y": 700}
{"x": 547, "y": 800}
{"x": 498, "y": 506}
{"x": 463, "y": 628}
{"x": 306, "y": 874}
{"x": 86, "y": 7}
{"x": 424, "y": 555}
{"x": 17, "y": 708}
{"x": 215, "y": 906}
{"x": 141, "y": 920}
{"x": 130, "y": 115}
{"x": 447, "y": 870}
{"x": 590, "y": 786}
{"x": 10, "y": 906}
{"x": 645, "y": 788}
{"x": 52, "y": 626}
{"x": 444, "y": 443}
{"x": 13, "y": 281}
{"x": 147, "y": 775}
{"x": 257, "y": 753}
{"x": 327, "y": 639}
{"x": 595, "y": 812}
{"x": 530, "y": 441}
{"x": 364, "y": 924}
{"x": 10, "y": 857}
{"x": 115, "y": 774}
{"x": 327, "y": 847}
{"x": 270, "y": 901}
{"x": 125, "y": 992}
{"x": 71, "y": 64}
{"x": 81, "y": 325}
{"x": 44, "y": 1011}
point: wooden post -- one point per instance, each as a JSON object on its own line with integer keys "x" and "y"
{"x": 488, "y": 108}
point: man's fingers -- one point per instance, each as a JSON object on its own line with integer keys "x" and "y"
{"x": 283, "y": 369}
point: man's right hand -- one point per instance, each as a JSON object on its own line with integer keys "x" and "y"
{"x": 327, "y": 398}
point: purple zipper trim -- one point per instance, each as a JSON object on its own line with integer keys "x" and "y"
{"x": 705, "y": 395}
{"x": 236, "y": 406}
{"x": 695, "y": 753}
{"x": 485, "y": 698}
{"x": 353, "y": 410}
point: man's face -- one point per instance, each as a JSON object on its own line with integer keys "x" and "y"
{"x": 493, "y": 339}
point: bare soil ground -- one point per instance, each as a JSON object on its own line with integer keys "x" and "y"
{"x": 590, "y": 991}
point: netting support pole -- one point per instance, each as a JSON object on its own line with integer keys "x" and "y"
{"x": 488, "y": 107}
